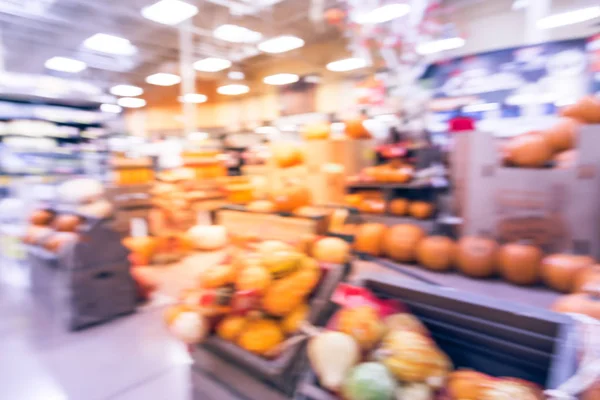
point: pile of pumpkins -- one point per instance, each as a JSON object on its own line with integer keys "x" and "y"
{"x": 372, "y": 351}
{"x": 375, "y": 204}
{"x": 388, "y": 173}
{"x": 482, "y": 257}
{"x": 537, "y": 148}
{"x": 291, "y": 195}
{"x": 52, "y": 231}
{"x": 257, "y": 296}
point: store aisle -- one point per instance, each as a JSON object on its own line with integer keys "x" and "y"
{"x": 129, "y": 358}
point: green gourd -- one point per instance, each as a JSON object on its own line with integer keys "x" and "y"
{"x": 369, "y": 381}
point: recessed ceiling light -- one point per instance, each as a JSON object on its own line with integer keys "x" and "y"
{"x": 440, "y": 45}
{"x": 163, "y": 79}
{"x": 105, "y": 43}
{"x": 347, "y": 64}
{"x": 212, "y": 64}
{"x": 281, "y": 79}
{"x": 281, "y": 44}
{"x": 383, "y": 14}
{"x": 569, "y": 18}
{"x": 131, "y": 102}
{"x": 126, "y": 90}
{"x": 169, "y": 12}
{"x": 110, "y": 108}
{"x": 236, "y": 34}
{"x": 233, "y": 89}
{"x": 65, "y": 64}
{"x": 192, "y": 98}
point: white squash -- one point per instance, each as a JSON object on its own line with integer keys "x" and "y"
{"x": 332, "y": 355}
{"x": 208, "y": 237}
{"x": 189, "y": 327}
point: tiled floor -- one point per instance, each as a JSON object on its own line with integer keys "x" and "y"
{"x": 126, "y": 359}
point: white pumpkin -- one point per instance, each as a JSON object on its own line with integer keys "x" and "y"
{"x": 208, "y": 237}
{"x": 189, "y": 327}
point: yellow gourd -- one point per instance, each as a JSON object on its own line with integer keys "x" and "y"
{"x": 231, "y": 327}
{"x": 254, "y": 277}
{"x": 261, "y": 336}
{"x": 363, "y": 324}
{"x": 291, "y": 323}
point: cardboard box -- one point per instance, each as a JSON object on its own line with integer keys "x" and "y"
{"x": 557, "y": 209}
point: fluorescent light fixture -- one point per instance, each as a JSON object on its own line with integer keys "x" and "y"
{"x": 236, "y": 75}
{"x": 131, "y": 102}
{"x": 383, "y": 14}
{"x": 212, "y": 64}
{"x": 281, "y": 79}
{"x": 111, "y": 44}
{"x": 110, "y": 108}
{"x": 236, "y": 34}
{"x": 437, "y": 46}
{"x": 126, "y": 90}
{"x": 65, "y": 64}
{"x": 163, "y": 79}
{"x": 569, "y": 18}
{"x": 481, "y": 107}
{"x": 192, "y": 98}
{"x": 233, "y": 89}
{"x": 281, "y": 44}
{"x": 169, "y": 12}
{"x": 347, "y": 64}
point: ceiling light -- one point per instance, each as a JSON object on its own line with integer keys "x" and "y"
{"x": 126, "y": 90}
{"x": 236, "y": 34}
{"x": 105, "y": 43}
{"x": 163, "y": 79}
{"x": 569, "y": 18}
{"x": 212, "y": 64}
{"x": 169, "y": 12}
{"x": 281, "y": 79}
{"x": 348, "y": 64}
{"x": 64, "y": 64}
{"x": 383, "y": 14}
{"x": 131, "y": 102}
{"x": 236, "y": 75}
{"x": 110, "y": 108}
{"x": 437, "y": 46}
{"x": 233, "y": 89}
{"x": 281, "y": 44}
{"x": 192, "y": 98}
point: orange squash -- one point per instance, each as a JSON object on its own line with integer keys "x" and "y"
{"x": 400, "y": 242}
{"x": 291, "y": 196}
{"x": 254, "y": 278}
{"x": 530, "y": 150}
{"x": 398, "y": 207}
{"x": 355, "y": 129}
{"x": 559, "y": 270}
{"x": 369, "y": 238}
{"x": 41, "y": 217}
{"x": 353, "y": 200}
{"x": 520, "y": 263}
{"x": 476, "y": 256}
{"x": 363, "y": 324}
{"x": 260, "y": 336}
{"x": 67, "y": 222}
{"x": 318, "y": 131}
{"x": 563, "y": 135}
{"x": 467, "y": 385}
{"x": 420, "y": 209}
{"x": 586, "y": 110}
{"x": 231, "y": 327}
{"x": 436, "y": 253}
{"x": 587, "y": 276}
{"x": 399, "y": 175}
{"x": 217, "y": 276}
{"x": 287, "y": 155}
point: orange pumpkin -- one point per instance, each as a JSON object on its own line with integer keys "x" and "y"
{"x": 287, "y": 155}
{"x": 331, "y": 250}
{"x": 400, "y": 242}
{"x": 217, "y": 276}
{"x": 476, "y": 256}
{"x": 586, "y": 110}
{"x": 369, "y": 238}
{"x": 66, "y": 223}
{"x": 355, "y": 129}
{"x": 566, "y": 159}
{"x": 261, "y": 206}
{"x": 398, "y": 207}
{"x": 399, "y": 175}
{"x": 318, "y": 131}
{"x": 530, "y": 150}
{"x": 559, "y": 270}
{"x": 290, "y": 197}
{"x": 373, "y": 206}
{"x": 253, "y": 277}
{"x": 520, "y": 263}
{"x": 420, "y": 209}
{"x": 467, "y": 385}
{"x": 145, "y": 245}
{"x": 436, "y": 253}
{"x": 41, "y": 217}
{"x": 563, "y": 135}
{"x": 353, "y": 200}
{"x": 587, "y": 276}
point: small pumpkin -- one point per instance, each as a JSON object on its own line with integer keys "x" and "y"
{"x": 520, "y": 263}
{"x": 420, "y": 209}
{"x": 587, "y": 276}
{"x": 260, "y": 336}
{"x": 559, "y": 270}
{"x": 291, "y": 196}
{"x": 287, "y": 155}
{"x": 231, "y": 327}
{"x": 372, "y": 206}
{"x": 530, "y": 150}
{"x": 586, "y": 110}
{"x": 353, "y": 200}
{"x": 317, "y": 131}
{"x": 363, "y": 324}
{"x": 355, "y": 129}
{"x": 476, "y": 256}
{"x": 400, "y": 175}
{"x": 261, "y": 206}
{"x": 331, "y": 250}
{"x": 398, "y": 207}
{"x": 400, "y": 242}
{"x": 41, "y": 217}
{"x": 467, "y": 385}
{"x": 291, "y": 322}
{"x": 562, "y": 135}
{"x": 188, "y": 325}
{"x": 66, "y": 223}
{"x": 217, "y": 276}
{"x": 253, "y": 278}
{"x": 369, "y": 238}
{"x": 436, "y": 253}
